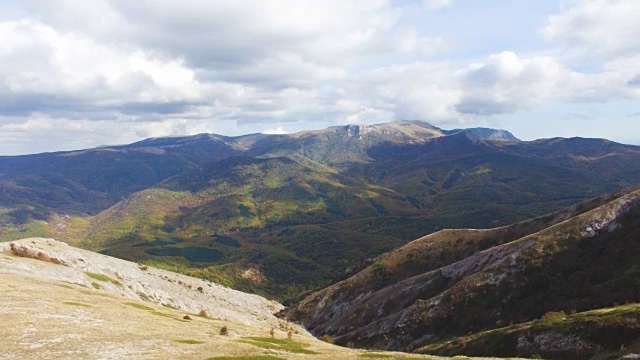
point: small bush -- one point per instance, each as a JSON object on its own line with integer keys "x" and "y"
{"x": 554, "y": 315}
{"x": 375, "y": 356}
{"x": 191, "y": 342}
{"x": 101, "y": 277}
{"x": 73, "y": 303}
{"x": 327, "y": 338}
{"x": 224, "y": 330}
{"x": 203, "y": 313}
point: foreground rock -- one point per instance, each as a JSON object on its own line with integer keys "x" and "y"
{"x": 113, "y": 276}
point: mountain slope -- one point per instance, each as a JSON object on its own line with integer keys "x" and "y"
{"x": 456, "y": 282}
{"x": 89, "y": 181}
{"x": 65, "y": 303}
{"x": 284, "y": 214}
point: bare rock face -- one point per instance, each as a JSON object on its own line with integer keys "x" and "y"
{"x": 608, "y": 217}
{"x": 138, "y": 282}
{"x": 555, "y": 342}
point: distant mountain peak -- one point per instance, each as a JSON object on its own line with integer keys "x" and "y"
{"x": 399, "y": 131}
{"x": 481, "y": 133}
{"x": 413, "y": 131}
{"x": 410, "y": 131}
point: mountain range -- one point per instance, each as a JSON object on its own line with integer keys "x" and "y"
{"x": 524, "y": 248}
{"x": 282, "y": 215}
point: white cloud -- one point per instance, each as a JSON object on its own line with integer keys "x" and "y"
{"x": 502, "y": 83}
{"x": 279, "y": 131}
{"x": 443, "y": 93}
{"x": 437, "y": 4}
{"x": 606, "y": 28}
{"x": 40, "y": 62}
{"x": 506, "y": 83}
{"x": 66, "y": 134}
{"x": 238, "y": 33}
{"x": 117, "y": 59}
{"x": 75, "y": 68}
{"x": 427, "y": 91}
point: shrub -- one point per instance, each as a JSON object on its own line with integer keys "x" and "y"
{"x": 554, "y": 315}
{"x": 327, "y": 338}
{"x": 224, "y": 330}
{"x": 101, "y": 277}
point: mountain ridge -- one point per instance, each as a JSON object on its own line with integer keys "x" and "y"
{"x": 413, "y": 297}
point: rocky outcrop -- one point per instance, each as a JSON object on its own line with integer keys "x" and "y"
{"x": 138, "y": 282}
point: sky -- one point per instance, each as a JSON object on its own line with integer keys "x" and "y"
{"x": 78, "y": 74}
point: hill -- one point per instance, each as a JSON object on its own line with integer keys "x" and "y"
{"x": 454, "y": 291}
{"x": 65, "y": 303}
{"x": 280, "y": 215}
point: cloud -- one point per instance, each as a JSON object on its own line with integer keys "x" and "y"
{"x": 202, "y": 59}
{"x": 604, "y": 28}
{"x": 444, "y": 93}
{"x": 503, "y": 83}
{"x": 72, "y": 67}
{"x": 235, "y": 34}
{"x": 279, "y": 130}
{"x": 66, "y": 134}
{"x": 506, "y": 83}
{"x": 427, "y": 91}
{"x": 437, "y": 4}
{"x": 45, "y": 69}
